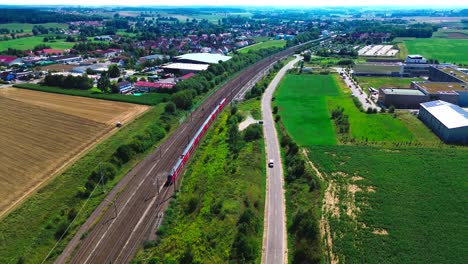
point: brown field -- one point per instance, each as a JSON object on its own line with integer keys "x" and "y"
{"x": 455, "y": 35}
{"x": 57, "y": 67}
{"x": 42, "y": 133}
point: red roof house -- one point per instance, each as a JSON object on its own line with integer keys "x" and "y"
{"x": 49, "y": 52}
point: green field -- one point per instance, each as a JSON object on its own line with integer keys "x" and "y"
{"x": 29, "y": 43}
{"x": 146, "y": 99}
{"x": 264, "y": 45}
{"x": 443, "y": 50}
{"x": 219, "y": 209}
{"x": 372, "y": 128}
{"x": 396, "y": 205}
{"x": 28, "y": 27}
{"x": 301, "y": 100}
{"x": 305, "y": 103}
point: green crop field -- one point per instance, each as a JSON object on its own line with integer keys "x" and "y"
{"x": 219, "y": 192}
{"x": 264, "y": 45}
{"x": 305, "y": 103}
{"x": 301, "y": 100}
{"x": 444, "y": 50}
{"x": 28, "y": 43}
{"x": 375, "y": 128}
{"x": 26, "y": 27}
{"x": 395, "y": 205}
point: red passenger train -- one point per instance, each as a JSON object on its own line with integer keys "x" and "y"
{"x": 194, "y": 142}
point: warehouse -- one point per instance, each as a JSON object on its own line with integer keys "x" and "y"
{"x": 448, "y": 121}
{"x": 455, "y": 93}
{"x": 201, "y": 58}
{"x": 402, "y": 98}
{"x": 184, "y": 68}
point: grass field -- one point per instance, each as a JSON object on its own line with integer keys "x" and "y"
{"x": 305, "y": 103}
{"x": 41, "y": 132}
{"x": 28, "y": 43}
{"x": 26, "y": 27}
{"x": 394, "y": 205}
{"x": 444, "y": 50}
{"x": 301, "y": 100}
{"x": 146, "y": 99}
{"x": 264, "y": 45}
{"x": 202, "y": 225}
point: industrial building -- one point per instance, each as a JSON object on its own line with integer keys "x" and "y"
{"x": 201, "y": 58}
{"x": 378, "y": 69}
{"x": 455, "y": 93}
{"x": 414, "y": 65}
{"x": 402, "y": 98}
{"x": 446, "y": 120}
{"x": 184, "y": 68}
{"x": 152, "y": 86}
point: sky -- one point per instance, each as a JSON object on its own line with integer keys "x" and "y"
{"x": 420, "y": 3}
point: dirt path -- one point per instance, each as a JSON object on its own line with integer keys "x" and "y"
{"x": 247, "y": 122}
{"x": 330, "y": 207}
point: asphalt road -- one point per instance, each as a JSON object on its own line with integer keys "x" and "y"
{"x": 358, "y": 92}
{"x": 275, "y": 237}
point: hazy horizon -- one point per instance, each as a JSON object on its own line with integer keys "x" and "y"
{"x": 421, "y": 4}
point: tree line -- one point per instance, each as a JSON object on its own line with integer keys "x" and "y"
{"x": 39, "y": 16}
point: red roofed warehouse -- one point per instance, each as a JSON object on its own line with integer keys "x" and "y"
{"x": 152, "y": 87}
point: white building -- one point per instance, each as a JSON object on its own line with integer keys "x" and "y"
{"x": 448, "y": 121}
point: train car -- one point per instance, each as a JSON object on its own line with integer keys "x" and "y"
{"x": 194, "y": 142}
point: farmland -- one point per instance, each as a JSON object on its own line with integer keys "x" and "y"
{"x": 305, "y": 103}
{"x": 301, "y": 100}
{"x": 264, "y": 45}
{"x": 451, "y": 34}
{"x": 444, "y": 50}
{"x": 220, "y": 204}
{"x": 27, "y": 28}
{"x": 42, "y": 132}
{"x": 383, "y": 212}
{"x": 28, "y": 43}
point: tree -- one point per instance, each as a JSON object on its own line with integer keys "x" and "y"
{"x": 170, "y": 107}
{"x": 103, "y": 83}
{"x": 307, "y": 57}
{"x": 184, "y": 99}
{"x": 114, "y": 88}
{"x": 114, "y": 71}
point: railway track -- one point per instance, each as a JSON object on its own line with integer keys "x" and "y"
{"x": 134, "y": 205}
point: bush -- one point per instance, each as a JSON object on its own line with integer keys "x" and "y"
{"x": 61, "y": 228}
{"x": 253, "y": 132}
{"x": 170, "y": 108}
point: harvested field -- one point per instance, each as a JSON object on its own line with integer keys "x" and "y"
{"x": 57, "y": 67}
{"x": 42, "y": 133}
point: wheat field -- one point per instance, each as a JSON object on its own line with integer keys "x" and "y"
{"x": 41, "y": 133}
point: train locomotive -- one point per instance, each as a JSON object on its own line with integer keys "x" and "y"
{"x": 172, "y": 177}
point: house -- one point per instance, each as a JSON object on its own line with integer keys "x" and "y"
{"x": 111, "y": 52}
{"x": 103, "y": 38}
{"x": 49, "y": 52}
{"x": 10, "y": 60}
{"x": 124, "y": 86}
{"x": 152, "y": 86}
{"x": 119, "y": 61}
